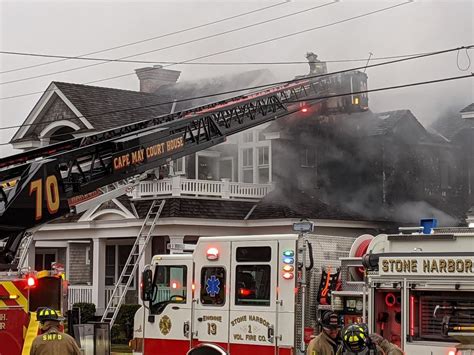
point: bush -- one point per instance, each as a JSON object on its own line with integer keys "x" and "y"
{"x": 87, "y": 311}
{"x": 122, "y": 331}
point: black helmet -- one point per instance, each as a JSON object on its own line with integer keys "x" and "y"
{"x": 45, "y": 314}
{"x": 330, "y": 320}
{"x": 355, "y": 337}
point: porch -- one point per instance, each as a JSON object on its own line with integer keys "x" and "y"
{"x": 179, "y": 186}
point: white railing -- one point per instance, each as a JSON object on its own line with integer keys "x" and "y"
{"x": 79, "y": 293}
{"x": 108, "y": 291}
{"x": 179, "y": 186}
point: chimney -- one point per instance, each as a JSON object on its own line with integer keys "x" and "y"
{"x": 152, "y": 78}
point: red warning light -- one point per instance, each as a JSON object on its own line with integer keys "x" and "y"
{"x": 304, "y": 109}
{"x": 212, "y": 254}
{"x": 245, "y": 292}
{"x": 31, "y": 281}
{"x": 174, "y": 285}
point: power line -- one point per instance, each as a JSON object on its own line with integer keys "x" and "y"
{"x": 153, "y": 38}
{"x": 250, "y": 88}
{"x": 212, "y": 63}
{"x": 235, "y": 49}
{"x": 371, "y": 90}
{"x": 173, "y": 45}
{"x": 258, "y": 86}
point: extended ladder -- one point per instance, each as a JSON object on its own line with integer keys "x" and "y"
{"x": 130, "y": 268}
{"x": 22, "y": 252}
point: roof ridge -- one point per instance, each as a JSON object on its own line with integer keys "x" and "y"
{"x": 105, "y": 88}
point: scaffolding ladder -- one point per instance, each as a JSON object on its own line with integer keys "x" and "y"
{"x": 130, "y": 268}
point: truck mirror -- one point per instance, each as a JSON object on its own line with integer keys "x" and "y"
{"x": 147, "y": 285}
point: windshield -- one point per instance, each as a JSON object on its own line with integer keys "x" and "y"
{"x": 170, "y": 286}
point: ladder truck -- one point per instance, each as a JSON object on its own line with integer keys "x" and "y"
{"x": 40, "y": 185}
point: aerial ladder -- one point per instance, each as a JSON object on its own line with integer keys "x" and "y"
{"x": 40, "y": 185}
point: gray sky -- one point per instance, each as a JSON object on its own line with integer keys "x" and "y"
{"x": 68, "y": 27}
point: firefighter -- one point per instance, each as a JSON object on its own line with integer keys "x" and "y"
{"x": 327, "y": 342}
{"x": 53, "y": 341}
{"x": 356, "y": 341}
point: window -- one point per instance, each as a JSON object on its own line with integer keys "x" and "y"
{"x": 252, "y": 285}
{"x": 249, "y": 254}
{"x": 213, "y": 286}
{"x": 179, "y": 166}
{"x": 308, "y": 158}
{"x": 263, "y": 165}
{"x": 170, "y": 286}
{"x": 261, "y": 136}
{"x": 44, "y": 259}
{"x": 115, "y": 258}
{"x": 455, "y": 308}
{"x": 248, "y": 137}
{"x": 247, "y": 164}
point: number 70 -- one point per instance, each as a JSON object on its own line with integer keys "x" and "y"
{"x": 52, "y": 195}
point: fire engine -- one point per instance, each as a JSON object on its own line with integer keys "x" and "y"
{"x": 246, "y": 294}
{"x": 21, "y": 294}
{"x": 420, "y": 287}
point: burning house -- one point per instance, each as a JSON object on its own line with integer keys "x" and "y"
{"x": 333, "y": 161}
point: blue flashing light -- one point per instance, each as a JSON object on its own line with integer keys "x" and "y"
{"x": 288, "y": 253}
{"x": 288, "y": 260}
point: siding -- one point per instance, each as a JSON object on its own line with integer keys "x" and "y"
{"x": 79, "y": 272}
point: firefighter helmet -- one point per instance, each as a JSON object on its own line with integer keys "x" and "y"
{"x": 45, "y": 314}
{"x": 355, "y": 338}
{"x": 330, "y": 320}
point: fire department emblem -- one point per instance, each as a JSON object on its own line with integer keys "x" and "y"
{"x": 165, "y": 325}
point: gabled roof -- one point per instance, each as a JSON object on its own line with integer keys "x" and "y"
{"x": 452, "y": 124}
{"x": 99, "y": 108}
{"x": 469, "y": 108}
{"x": 107, "y": 107}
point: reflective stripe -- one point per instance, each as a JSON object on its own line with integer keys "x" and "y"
{"x": 31, "y": 334}
{"x": 13, "y": 290}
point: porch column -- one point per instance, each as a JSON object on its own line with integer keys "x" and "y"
{"x": 176, "y": 239}
{"x": 98, "y": 274}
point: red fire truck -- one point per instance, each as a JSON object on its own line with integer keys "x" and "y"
{"x": 421, "y": 289}
{"x": 21, "y": 294}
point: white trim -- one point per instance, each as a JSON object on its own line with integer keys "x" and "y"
{"x": 41, "y": 104}
{"x": 93, "y": 214}
{"x": 469, "y": 114}
{"x": 108, "y": 225}
{"x": 61, "y": 123}
{"x": 75, "y": 110}
{"x": 272, "y": 135}
{"x": 26, "y": 145}
{"x": 51, "y": 244}
{"x": 108, "y": 211}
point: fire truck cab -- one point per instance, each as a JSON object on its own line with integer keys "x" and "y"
{"x": 421, "y": 289}
{"x": 236, "y": 293}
